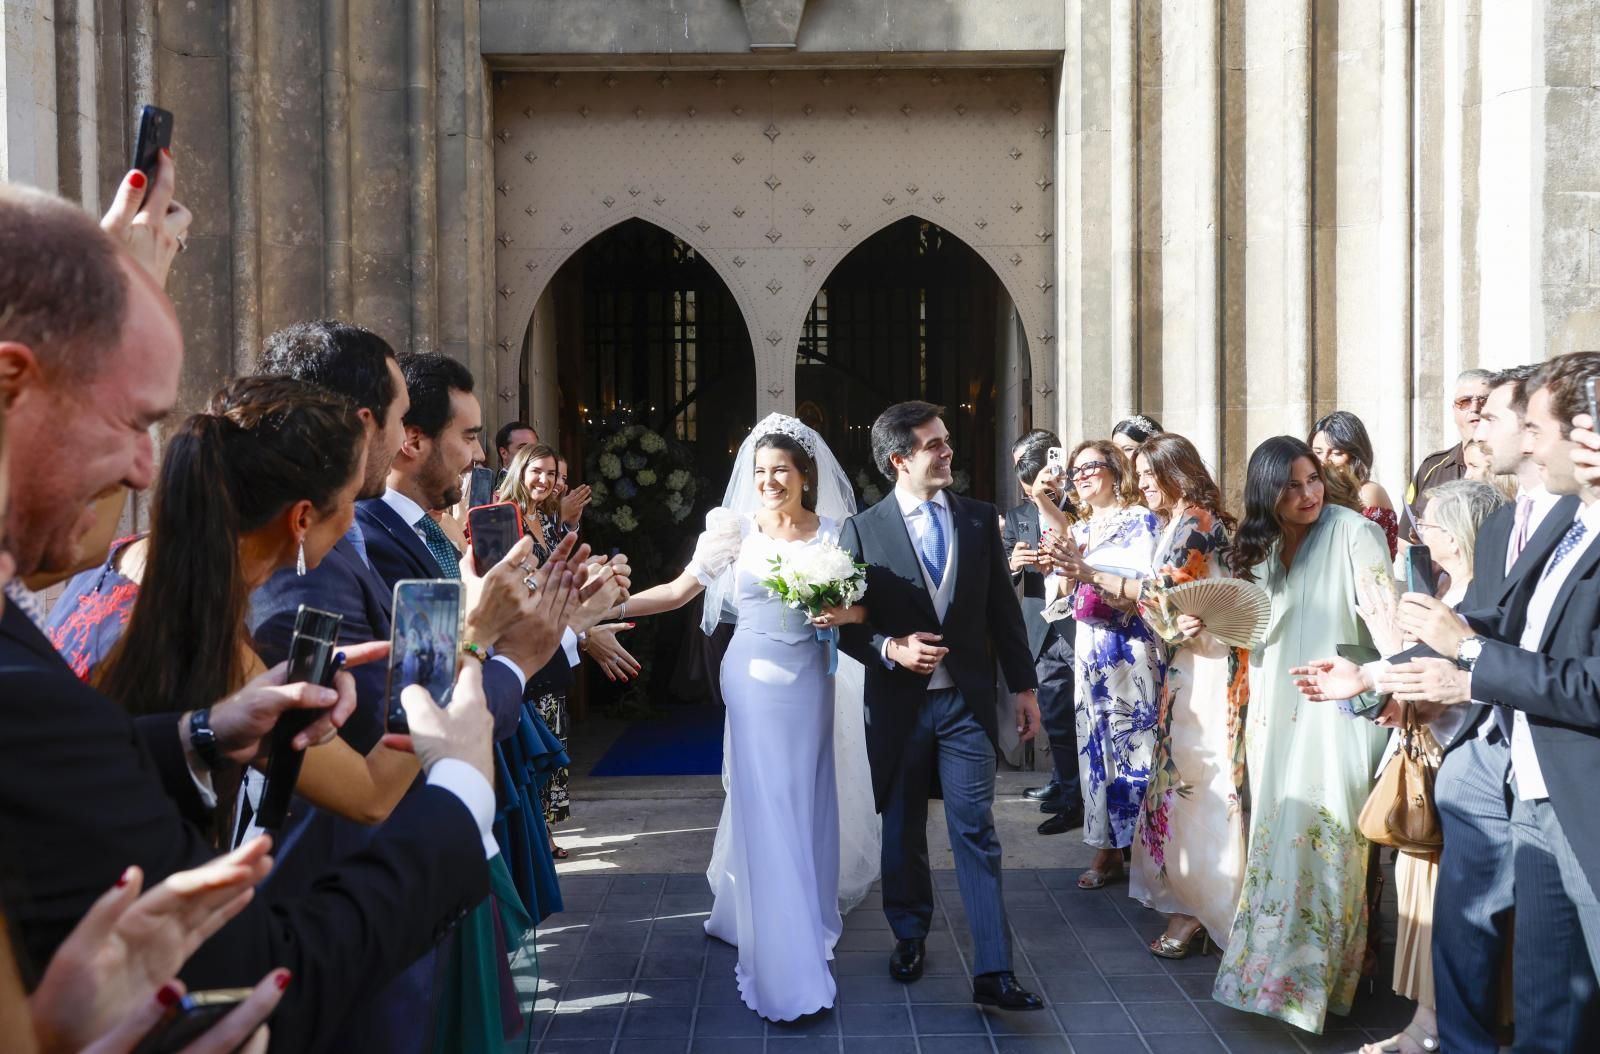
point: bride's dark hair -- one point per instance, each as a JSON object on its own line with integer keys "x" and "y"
{"x": 802, "y": 461}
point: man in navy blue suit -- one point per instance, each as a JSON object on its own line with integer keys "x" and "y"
{"x": 361, "y": 366}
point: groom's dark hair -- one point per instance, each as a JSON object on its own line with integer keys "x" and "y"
{"x": 894, "y": 432}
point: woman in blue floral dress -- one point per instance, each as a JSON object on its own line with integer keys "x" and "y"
{"x": 1120, "y": 665}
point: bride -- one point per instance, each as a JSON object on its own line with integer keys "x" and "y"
{"x": 798, "y": 843}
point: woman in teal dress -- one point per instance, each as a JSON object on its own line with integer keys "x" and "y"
{"x": 1300, "y": 932}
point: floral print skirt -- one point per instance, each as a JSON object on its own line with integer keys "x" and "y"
{"x": 1119, "y": 674}
{"x": 552, "y": 707}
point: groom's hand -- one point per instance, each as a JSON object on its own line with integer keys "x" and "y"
{"x": 1027, "y": 715}
{"x": 919, "y": 652}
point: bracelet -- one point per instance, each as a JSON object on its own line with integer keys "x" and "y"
{"x": 476, "y": 651}
{"x": 622, "y": 611}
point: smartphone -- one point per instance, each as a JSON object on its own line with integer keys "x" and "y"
{"x": 494, "y": 530}
{"x": 1594, "y": 404}
{"x": 1419, "y": 570}
{"x": 192, "y": 1018}
{"x": 426, "y": 638}
{"x": 1055, "y": 459}
{"x": 155, "y": 135}
{"x": 480, "y": 488}
{"x": 313, "y": 659}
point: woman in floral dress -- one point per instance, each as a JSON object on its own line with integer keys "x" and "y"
{"x": 1188, "y": 856}
{"x": 1298, "y": 938}
{"x": 1120, "y": 664}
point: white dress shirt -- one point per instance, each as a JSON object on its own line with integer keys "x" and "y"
{"x": 1524, "y": 761}
{"x": 917, "y": 526}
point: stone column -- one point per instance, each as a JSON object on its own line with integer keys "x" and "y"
{"x": 28, "y": 93}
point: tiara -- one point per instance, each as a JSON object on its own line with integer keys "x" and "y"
{"x": 792, "y": 427}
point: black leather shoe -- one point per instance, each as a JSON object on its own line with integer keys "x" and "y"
{"x": 1062, "y": 822}
{"x": 1049, "y": 792}
{"x": 905, "y": 965}
{"x": 1003, "y": 991}
{"x": 1062, "y": 804}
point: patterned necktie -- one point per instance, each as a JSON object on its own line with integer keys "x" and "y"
{"x": 439, "y": 545}
{"x": 1569, "y": 542}
{"x": 1519, "y": 530}
{"x": 933, "y": 545}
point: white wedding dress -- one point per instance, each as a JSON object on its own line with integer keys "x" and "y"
{"x": 775, "y": 870}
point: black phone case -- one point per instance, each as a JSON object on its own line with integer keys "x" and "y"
{"x": 154, "y": 136}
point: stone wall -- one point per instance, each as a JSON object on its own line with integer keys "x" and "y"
{"x": 1261, "y": 209}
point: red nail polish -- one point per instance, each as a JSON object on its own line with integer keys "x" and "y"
{"x": 168, "y": 995}
{"x": 125, "y": 878}
{"x": 166, "y": 153}
{"x": 283, "y": 979}
{"x": 136, "y": 180}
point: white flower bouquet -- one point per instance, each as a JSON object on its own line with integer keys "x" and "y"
{"x": 814, "y": 577}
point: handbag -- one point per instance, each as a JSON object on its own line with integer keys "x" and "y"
{"x": 1400, "y": 811}
{"x": 1090, "y": 606}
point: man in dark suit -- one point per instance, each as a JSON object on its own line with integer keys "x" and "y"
{"x": 1534, "y": 652}
{"x": 84, "y": 790}
{"x": 362, "y": 367}
{"x": 940, "y": 611}
{"x": 1050, "y": 643}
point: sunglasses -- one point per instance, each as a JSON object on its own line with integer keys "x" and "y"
{"x": 1084, "y": 471}
{"x": 1471, "y": 402}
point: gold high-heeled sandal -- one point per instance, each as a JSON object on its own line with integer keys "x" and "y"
{"x": 1167, "y": 947}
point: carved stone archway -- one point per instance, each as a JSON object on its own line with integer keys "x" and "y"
{"x": 774, "y": 176}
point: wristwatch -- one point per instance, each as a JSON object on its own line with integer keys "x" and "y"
{"x": 1467, "y": 653}
{"x": 203, "y": 740}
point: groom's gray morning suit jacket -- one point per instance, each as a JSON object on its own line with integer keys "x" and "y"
{"x": 982, "y": 625}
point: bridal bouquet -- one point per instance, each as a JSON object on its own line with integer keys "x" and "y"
{"x": 814, "y": 577}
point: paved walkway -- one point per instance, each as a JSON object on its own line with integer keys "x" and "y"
{"x": 628, "y": 969}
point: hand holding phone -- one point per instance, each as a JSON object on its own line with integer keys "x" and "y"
{"x": 154, "y": 136}
{"x": 426, "y": 640}
{"x": 1419, "y": 570}
{"x": 313, "y": 659}
{"x": 480, "y": 487}
{"x": 494, "y": 530}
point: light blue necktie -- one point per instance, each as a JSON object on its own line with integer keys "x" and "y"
{"x": 934, "y": 549}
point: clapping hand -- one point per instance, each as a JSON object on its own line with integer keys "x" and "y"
{"x": 496, "y": 601}
{"x": 1429, "y": 680}
{"x": 1068, "y": 559}
{"x": 574, "y": 502}
{"x": 614, "y": 660}
{"x": 1023, "y": 557}
{"x": 109, "y": 982}
{"x": 1330, "y": 680}
{"x": 1430, "y": 620}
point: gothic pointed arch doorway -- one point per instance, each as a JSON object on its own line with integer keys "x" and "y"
{"x": 913, "y": 312}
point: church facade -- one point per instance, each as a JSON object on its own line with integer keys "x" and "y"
{"x": 1230, "y": 215}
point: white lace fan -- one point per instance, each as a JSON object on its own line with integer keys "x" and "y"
{"x": 1236, "y": 612}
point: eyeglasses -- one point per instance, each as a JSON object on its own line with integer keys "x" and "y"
{"x": 1084, "y": 471}
{"x": 1429, "y": 523}
{"x": 1471, "y": 402}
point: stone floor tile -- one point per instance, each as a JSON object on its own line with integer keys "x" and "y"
{"x": 937, "y": 1019}
{"x": 595, "y": 995}
{"x": 1109, "y": 1044}
{"x": 604, "y": 967}
{"x": 881, "y": 989}
{"x": 945, "y": 880}
{"x": 570, "y": 1046}
{"x": 721, "y": 1021}
{"x": 663, "y": 991}
{"x": 861, "y": 964}
{"x": 1134, "y": 960}
{"x": 588, "y": 1024}
{"x": 1086, "y": 1018}
{"x": 611, "y": 940}
{"x": 803, "y": 1044}
{"x": 1032, "y": 1045}
{"x": 720, "y": 989}
{"x": 671, "y": 965}
{"x": 1145, "y": 988}
{"x": 1021, "y": 1022}
{"x": 822, "y": 1023}
{"x": 684, "y": 903}
{"x": 643, "y": 904}
{"x": 1177, "y": 1016}
{"x": 1227, "y": 1019}
{"x": 584, "y": 884}
{"x": 683, "y": 944}
{"x": 1075, "y": 988}
{"x": 646, "y": 1022}
{"x": 1336, "y": 1040}
{"x": 1259, "y": 1043}
{"x": 1197, "y": 988}
{"x": 637, "y": 883}
{"x": 880, "y": 1045}
{"x": 955, "y": 1044}
{"x": 727, "y": 1046}
{"x": 874, "y": 1019}
{"x": 940, "y": 990}
{"x": 1180, "y": 1043}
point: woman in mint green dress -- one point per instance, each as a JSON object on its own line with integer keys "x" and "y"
{"x": 1299, "y": 935}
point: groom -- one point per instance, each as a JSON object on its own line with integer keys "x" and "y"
{"x": 940, "y": 611}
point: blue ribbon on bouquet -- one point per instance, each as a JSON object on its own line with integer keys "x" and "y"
{"x": 829, "y": 636}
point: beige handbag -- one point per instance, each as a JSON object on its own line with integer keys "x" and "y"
{"x": 1400, "y": 810}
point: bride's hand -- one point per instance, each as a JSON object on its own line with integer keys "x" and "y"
{"x": 840, "y": 616}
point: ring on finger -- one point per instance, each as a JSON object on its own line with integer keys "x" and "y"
{"x": 532, "y": 584}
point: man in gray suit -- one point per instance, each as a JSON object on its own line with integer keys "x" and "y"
{"x": 941, "y": 610}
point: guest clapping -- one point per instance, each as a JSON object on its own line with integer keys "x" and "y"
{"x": 1120, "y": 665}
